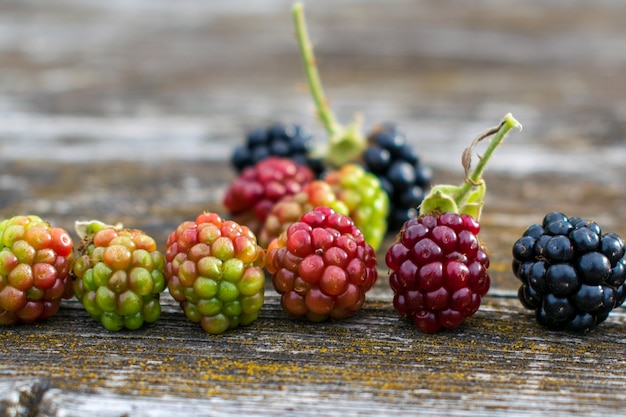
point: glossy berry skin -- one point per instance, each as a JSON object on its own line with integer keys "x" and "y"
{"x": 367, "y": 201}
{"x": 35, "y": 262}
{"x": 292, "y": 207}
{"x": 438, "y": 270}
{"x": 281, "y": 140}
{"x": 118, "y": 278}
{"x": 215, "y": 271}
{"x": 250, "y": 197}
{"x": 400, "y": 172}
{"x": 322, "y": 266}
{"x": 572, "y": 274}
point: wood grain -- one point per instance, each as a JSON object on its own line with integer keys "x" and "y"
{"x": 499, "y": 363}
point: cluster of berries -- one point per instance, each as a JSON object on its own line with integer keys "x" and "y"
{"x": 213, "y": 267}
{"x": 314, "y": 219}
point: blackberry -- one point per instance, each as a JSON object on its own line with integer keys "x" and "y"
{"x": 400, "y": 172}
{"x": 290, "y": 208}
{"x": 215, "y": 271}
{"x": 572, "y": 274}
{"x": 365, "y": 198}
{"x": 281, "y": 140}
{"x": 322, "y": 266}
{"x": 35, "y": 263}
{"x": 119, "y": 275}
{"x": 250, "y": 196}
{"x": 439, "y": 266}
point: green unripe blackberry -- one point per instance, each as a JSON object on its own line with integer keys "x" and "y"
{"x": 35, "y": 262}
{"x": 215, "y": 271}
{"x": 119, "y": 275}
{"x": 367, "y": 201}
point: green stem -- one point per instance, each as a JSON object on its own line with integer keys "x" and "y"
{"x": 315, "y": 84}
{"x": 475, "y": 177}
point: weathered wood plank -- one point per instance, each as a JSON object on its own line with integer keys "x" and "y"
{"x": 499, "y": 363}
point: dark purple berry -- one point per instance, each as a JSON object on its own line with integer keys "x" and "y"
{"x": 278, "y": 140}
{"x": 401, "y": 174}
{"x": 439, "y": 270}
{"x": 572, "y": 275}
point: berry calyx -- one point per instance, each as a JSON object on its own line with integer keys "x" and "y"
{"x": 322, "y": 266}
{"x": 439, "y": 266}
{"x": 118, "y": 275}
{"x": 215, "y": 271}
{"x": 35, "y": 263}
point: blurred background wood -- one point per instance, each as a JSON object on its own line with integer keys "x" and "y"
{"x": 128, "y": 111}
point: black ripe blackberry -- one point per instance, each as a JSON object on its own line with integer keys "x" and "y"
{"x": 398, "y": 167}
{"x": 282, "y": 140}
{"x": 572, "y": 274}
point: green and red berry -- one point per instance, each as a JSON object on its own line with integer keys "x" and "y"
{"x": 439, "y": 266}
{"x": 322, "y": 266}
{"x": 35, "y": 263}
{"x": 118, "y": 275}
{"x": 215, "y": 271}
{"x": 572, "y": 273}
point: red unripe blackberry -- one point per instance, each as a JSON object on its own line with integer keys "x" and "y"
{"x": 289, "y": 209}
{"x": 215, "y": 271}
{"x": 118, "y": 275}
{"x": 438, "y": 264}
{"x": 250, "y": 197}
{"x": 439, "y": 270}
{"x": 35, "y": 262}
{"x": 322, "y": 266}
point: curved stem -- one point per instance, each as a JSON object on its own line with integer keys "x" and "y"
{"x": 306, "y": 50}
{"x": 475, "y": 177}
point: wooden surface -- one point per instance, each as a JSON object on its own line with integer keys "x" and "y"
{"x": 127, "y": 112}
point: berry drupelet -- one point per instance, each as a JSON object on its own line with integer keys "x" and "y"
{"x": 439, "y": 266}
{"x": 572, "y": 274}
{"x": 35, "y": 263}
{"x": 118, "y": 275}
{"x": 215, "y": 271}
{"x": 280, "y": 140}
{"x": 322, "y": 266}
